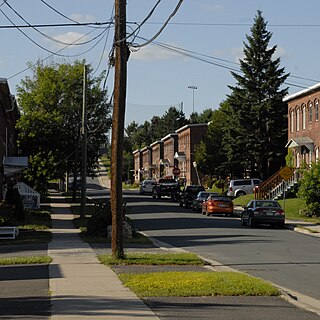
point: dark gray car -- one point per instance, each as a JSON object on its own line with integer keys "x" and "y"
{"x": 263, "y": 212}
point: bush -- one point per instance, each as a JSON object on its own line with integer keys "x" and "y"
{"x": 6, "y": 214}
{"x": 13, "y": 199}
{"x": 100, "y": 220}
{"x": 309, "y": 189}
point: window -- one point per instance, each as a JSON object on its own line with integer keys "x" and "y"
{"x": 291, "y": 121}
{"x": 317, "y": 110}
{"x": 317, "y": 154}
{"x": 298, "y": 119}
{"x": 310, "y": 111}
{"x": 303, "y": 117}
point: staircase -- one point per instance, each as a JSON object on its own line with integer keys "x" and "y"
{"x": 274, "y": 187}
{"x": 30, "y": 197}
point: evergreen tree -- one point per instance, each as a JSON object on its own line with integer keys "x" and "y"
{"x": 257, "y": 133}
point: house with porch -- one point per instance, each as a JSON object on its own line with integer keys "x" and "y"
{"x": 303, "y": 125}
{"x": 157, "y": 155}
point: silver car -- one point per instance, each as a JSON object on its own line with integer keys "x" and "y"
{"x": 241, "y": 187}
{"x": 146, "y": 186}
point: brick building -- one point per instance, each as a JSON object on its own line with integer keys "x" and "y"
{"x": 188, "y": 138}
{"x": 170, "y": 147}
{"x": 175, "y": 150}
{"x": 303, "y": 125}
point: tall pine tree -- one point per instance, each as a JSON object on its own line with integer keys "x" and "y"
{"x": 257, "y": 133}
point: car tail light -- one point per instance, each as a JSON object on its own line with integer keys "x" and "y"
{"x": 279, "y": 212}
{"x": 230, "y": 188}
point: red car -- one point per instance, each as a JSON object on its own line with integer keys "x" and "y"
{"x": 217, "y": 204}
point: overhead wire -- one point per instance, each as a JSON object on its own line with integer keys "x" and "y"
{"x": 45, "y": 35}
{"x": 197, "y": 56}
{"x": 164, "y": 25}
{"x": 51, "y": 55}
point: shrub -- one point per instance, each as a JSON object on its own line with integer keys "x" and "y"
{"x": 100, "y": 220}
{"x": 13, "y": 199}
{"x": 309, "y": 189}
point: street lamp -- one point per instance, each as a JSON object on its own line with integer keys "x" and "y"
{"x": 196, "y": 168}
{"x": 193, "y": 88}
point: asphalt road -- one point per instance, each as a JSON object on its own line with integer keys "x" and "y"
{"x": 286, "y": 258}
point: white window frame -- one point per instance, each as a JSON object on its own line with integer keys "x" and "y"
{"x": 304, "y": 118}
{"x": 310, "y": 112}
{"x": 298, "y": 119}
{"x": 291, "y": 121}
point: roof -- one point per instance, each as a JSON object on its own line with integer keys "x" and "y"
{"x": 192, "y": 125}
{"x": 12, "y": 165}
{"x": 302, "y": 92}
{"x": 299, "y": 142}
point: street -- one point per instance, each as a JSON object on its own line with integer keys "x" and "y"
{"x": 286, "y": 258}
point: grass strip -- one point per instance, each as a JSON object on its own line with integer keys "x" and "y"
{"x": 153, "y": 259}
{"x": 191, "y": 284}
{"x": 26, "y": 260}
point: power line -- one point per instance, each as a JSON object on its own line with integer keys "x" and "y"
{"x": 197, "y": 56}
{"x": 45, "y": 35}
{"x": 206, "y": 24}
{"x": 53, "y": 25}
{"x": 163, "y": 27}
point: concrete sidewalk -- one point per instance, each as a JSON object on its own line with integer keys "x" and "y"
{"x": 81, "y": 287}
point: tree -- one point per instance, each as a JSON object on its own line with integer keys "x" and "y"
{"x": 51, "y": 103}
{"x": 210, "y": 155}
{"x": 203, "y": 117}
{"x": 257, "y": 134}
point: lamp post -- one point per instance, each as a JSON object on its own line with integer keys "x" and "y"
{"x": 196, "y": 168}
{"x": 193, "y": 88}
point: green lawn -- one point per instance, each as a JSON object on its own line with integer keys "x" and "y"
{"x": 189, "y": 284}
{"x": 153, "y": 259}
{"x": 26, "y": 260}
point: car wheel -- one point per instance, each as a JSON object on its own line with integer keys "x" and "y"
{"x": 203, "y": 212}
{"x": 281, "y": 225}
{"x": 251, "y": 223}
{"x": 243, "y": 222}
{"x": 241, "y": 193}
{"x": 154, "y": 196}
{"x": 159, "y": 196}
{"x": 186, "y": 205}
{"x": 180, "y": 204}
{"x": 208, "y": 214}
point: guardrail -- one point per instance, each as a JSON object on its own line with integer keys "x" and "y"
{"x": 9, "y": 232}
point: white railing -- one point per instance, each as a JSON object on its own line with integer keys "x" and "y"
{"x": 284, "y": 186}
{"x": 29, "y": 196}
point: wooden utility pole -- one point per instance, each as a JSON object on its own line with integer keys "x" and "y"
{"x": 84, "y": 133}
{"x": 120, "y": 84}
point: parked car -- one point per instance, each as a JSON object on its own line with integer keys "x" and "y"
{"x": 188, "y": 194}
{"x": 263, "y": 212}
{"x": 241, "y": 187}
{"x": 217, "y": 204}
{"x": 146, "y": 186}
{"x": 201, "y": 196}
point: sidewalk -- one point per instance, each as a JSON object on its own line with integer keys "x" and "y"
{"x": 82, "y": 288}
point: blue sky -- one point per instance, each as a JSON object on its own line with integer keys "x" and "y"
{"x": 159, "y": 78}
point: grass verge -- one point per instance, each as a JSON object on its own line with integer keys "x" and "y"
{"x": 188, "y": 284}
{"x": 153, "y": 259}
{"x": 26, "y": 260}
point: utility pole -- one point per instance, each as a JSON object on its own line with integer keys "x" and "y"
{"x": 120, "y": 84}
{"x": 84, "y": 133}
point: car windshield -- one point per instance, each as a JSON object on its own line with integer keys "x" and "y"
{"x": 267, "y": 204}
{"x": 167, "y": 181}
{"x": 225, "y": 199}
{"x": 203, "y": 195}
